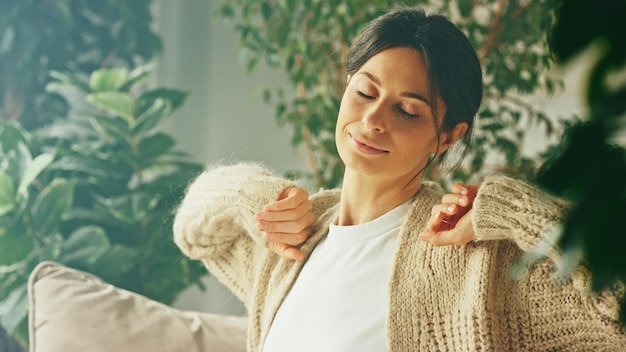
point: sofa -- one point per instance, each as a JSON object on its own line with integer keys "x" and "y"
{"x": 71, "y": 310}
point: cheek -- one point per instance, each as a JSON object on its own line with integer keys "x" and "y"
{"x": 417, "y": 143}
{"x": 343, "y": 116}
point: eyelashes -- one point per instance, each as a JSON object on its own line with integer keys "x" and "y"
{"x": 399, "y": 110}
{"x": 363, "y": 95}
{"x": 406, "y": 114}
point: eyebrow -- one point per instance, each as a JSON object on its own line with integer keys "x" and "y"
{"x": 406, "y": 94}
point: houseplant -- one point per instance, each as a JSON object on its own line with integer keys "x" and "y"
{"x": 67, "y": 35}
{"x": 95, "y": 191}
{"x": 589, "y": 168}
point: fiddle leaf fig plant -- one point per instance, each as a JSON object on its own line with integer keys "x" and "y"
{"x": 95, "y": 191}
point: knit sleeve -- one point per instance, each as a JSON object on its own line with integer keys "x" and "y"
{"x": 215, "y": 221}
{"x": 507, "y": 209}
{"x": 510, "y": 209}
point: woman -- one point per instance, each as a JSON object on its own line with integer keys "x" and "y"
{"x": 389, "y": 262}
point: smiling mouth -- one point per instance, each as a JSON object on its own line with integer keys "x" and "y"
{"x": 366, "y": 148}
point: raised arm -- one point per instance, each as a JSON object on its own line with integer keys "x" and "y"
{"x": 216, "y": 222}
{"x": 501, "y": 208}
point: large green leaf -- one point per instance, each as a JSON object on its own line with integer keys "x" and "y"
{"x": 84, "y": 246}
{"x": 116, "y": 103}
{"x": 117, "y": 261}
{"x": 7, "y": 193}
{"x": 107, "y": 80}
{"x": 117, "y": 129}
{"x": 154, "y": 147}
{"x": 33, "y": 169}
{"x": 157, "y": 112}
{"x": 14, "y": 247}
{"x": 11, "y": 134}
{"x": 51, "y": 205}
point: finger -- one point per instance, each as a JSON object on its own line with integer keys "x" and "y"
{"x": 286, "y": 251}
{"x": 291, "y": 226}
{"x": 469, "y": 191}
{"x": 447, "y": 209}
{"x": 436, "y": 221}
{"x": 456, "y": 199}
{"x": 460, "y": 189}
{"x": 450, "y": 236}
{"x": 286, "y": 214}
{"x": 292, "y": 239}
{"x": 290, "y": 198}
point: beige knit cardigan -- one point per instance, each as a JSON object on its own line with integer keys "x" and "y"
{"x": 452, "y": 298}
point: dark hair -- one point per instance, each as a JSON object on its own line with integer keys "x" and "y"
{"x": 453, "y": 68}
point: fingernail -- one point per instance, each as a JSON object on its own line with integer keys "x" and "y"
{"x": 463, "y": 200}
{"x": 262, "y": 225}
{"x": 464, "y": 191}
{"x": 268, "y": 236}
{"x": 450, "y": 208}
{"x": 260, "y": 216}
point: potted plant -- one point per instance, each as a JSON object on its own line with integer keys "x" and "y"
{"x": 96, "y": 191}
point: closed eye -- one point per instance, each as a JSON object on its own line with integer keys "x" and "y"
{"x": 406, "y": 114}
{"x": 363, "y": 95}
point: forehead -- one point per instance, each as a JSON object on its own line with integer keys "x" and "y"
{"x": 398, "y": 66}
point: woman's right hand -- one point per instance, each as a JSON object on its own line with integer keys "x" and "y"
{"x": 287, "y": 222}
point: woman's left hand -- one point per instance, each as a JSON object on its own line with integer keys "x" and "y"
{"x": 451, "y": 221}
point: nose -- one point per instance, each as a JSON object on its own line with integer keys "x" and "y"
{"x": 373, "y": 119}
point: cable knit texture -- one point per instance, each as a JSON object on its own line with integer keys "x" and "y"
{"x": 452, "y": 298}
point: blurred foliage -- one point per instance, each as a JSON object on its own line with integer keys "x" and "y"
{"x": 95, "y": 191}
{"x": 308, "y": 40}
{"x": 590, "y": 167}
{"x": 78, "y": 36}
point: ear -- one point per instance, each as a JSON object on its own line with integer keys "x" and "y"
{"x": 448, "y": 138}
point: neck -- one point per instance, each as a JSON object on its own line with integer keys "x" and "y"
{"x": 365, "y": 198}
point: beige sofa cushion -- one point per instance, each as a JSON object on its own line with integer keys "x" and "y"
{"x": 71, "y": 310}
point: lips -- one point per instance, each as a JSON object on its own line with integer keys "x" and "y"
{"x": 366, "y": 146}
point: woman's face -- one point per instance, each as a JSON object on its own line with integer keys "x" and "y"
{"x": 385, "y": 126}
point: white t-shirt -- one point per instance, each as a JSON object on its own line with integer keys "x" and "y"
{"x": 339, "y": 301}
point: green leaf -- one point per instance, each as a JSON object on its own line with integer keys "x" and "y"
{"x": 150, "y": 118}
{"x": 84, "y": 246}
{"x": 117, "y": 128}
{"x": 51, "y": 205}
{"x": 174, "y": 96}
{"x": 107, "y": 80}
{"x": 14, "y": 247}
{"x": 155, "y": 146}
{"x": 14, "y": 309}
{"x": 116, "y": 103}
{"x": 11, "y": 134}
{"x": 102, "y": 169}
{"x": 138, "y": 75}
{"x": 7, "y": 193}
{"x": 33, "y": 170}
{"x": 67, "y": 80}
{"x": 115, "y": 262}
